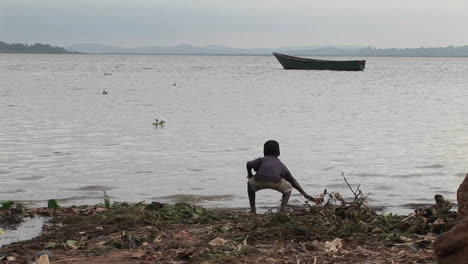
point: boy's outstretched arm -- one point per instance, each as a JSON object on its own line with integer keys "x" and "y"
{"x": 298, "y": 187}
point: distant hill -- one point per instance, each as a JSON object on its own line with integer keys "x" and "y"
{"x": 205, "y": 50}
{"x": 180, "y": 49}
{"x": 35, "y": 48}
{"x": 327, "y": 51}
{"x": 350, "y": 51}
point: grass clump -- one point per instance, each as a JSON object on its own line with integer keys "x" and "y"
{"x": 129, "y": 215}
{"x": 6, "y": 205}
{"x": 11, "y": 214}
{"x": 53, "y": 204}
{"x": 183, "y": 213}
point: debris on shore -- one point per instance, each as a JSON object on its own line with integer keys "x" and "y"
{"x": 334, "y": 232}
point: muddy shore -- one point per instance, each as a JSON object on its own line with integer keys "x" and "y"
{"x": 333, "y": 232}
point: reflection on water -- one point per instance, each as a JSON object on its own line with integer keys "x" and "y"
{"x": 13, "y": 191}
{"x": 399, "y": 127}
{"x": 368, "y": 175}
{"x": 190, "y": 198}
{"x": 144, "y": 172}
{"x": 81, "y": 198}
{"x": 92, "y": 188}
{"x": 30, "y": 178}
{"x": 30, "y": 228}
{"x": 434, "y": 166}
{"x": 407, "y": 175}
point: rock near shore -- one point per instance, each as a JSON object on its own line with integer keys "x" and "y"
{"x": 452, "y": 246}
{"x": 462, "y": 197}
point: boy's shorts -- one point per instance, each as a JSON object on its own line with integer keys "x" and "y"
{"x": 282, "y": 186}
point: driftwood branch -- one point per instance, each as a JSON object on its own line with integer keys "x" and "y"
{"x": 356, "y": 193}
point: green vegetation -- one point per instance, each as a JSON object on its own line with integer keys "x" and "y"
{"x": 181, "y": 231}
{"x": 34, "y": 48}
{"x": 123, "y": 214}
{"x": 6, "y": 205}
{"x": 53, "y": 204}
{"x": 11, "y": 213}
{"x": 107, "y": 200}
{"x": 336, "y": 231}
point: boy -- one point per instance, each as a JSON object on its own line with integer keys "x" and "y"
{"x": 271, "y": 173}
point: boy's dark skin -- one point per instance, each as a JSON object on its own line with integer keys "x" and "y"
{"x": 286, "y": 195}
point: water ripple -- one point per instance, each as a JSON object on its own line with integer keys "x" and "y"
{"x": 391, "y": 127}
{"x": 92, "y": 188}
{"x": 32, "y": 178}
{"x": 194, "y": 198}
{"x": 434, "y": 166}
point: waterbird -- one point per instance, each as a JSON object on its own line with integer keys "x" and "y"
{"x": 104, "y": 92}
{"x": 159, "y": 123}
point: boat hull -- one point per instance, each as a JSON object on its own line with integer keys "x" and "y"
{"x": 296, "y": 63}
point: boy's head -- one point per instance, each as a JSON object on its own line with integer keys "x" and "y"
{"x": 271, "y": 148}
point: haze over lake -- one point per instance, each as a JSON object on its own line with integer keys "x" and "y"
{"x": 398, "y": 128}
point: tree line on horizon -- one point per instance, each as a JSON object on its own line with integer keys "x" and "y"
{"x": 449, "y": 51}
{"x": 34, "y": 48}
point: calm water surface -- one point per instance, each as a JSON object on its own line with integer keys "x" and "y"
{"x": 399, "y": 129}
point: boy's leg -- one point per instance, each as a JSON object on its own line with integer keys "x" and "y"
{"x": 251, "y": 193}
{"x": 284, "y": 200}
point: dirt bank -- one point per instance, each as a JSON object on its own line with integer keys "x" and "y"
{"x": 183, "y": 233}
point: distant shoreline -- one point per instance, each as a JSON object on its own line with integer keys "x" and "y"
{"x": 214, "y": 50}
{"x": 36, "y": 48}
{"x": 240, "y": 54}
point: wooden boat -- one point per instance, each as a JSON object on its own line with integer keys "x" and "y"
{"x": 296, "y": 63}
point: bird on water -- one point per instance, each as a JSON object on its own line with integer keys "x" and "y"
{"x": 159, "y": 123}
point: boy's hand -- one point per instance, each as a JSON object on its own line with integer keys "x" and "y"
{"x": 315, "y": 200}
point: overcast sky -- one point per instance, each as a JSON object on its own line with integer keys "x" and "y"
{"x": 236, "y": 23}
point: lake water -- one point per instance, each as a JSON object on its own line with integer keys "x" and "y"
{"x": 399, "y": 128}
